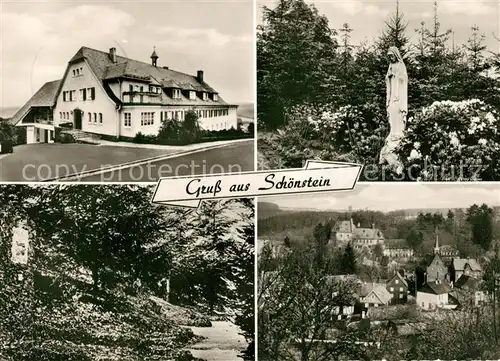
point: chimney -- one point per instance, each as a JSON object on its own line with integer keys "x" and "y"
{"x": 199, "y": 75}
{"x": 112, "y": 54}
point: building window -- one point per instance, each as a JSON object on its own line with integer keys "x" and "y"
{"x": 397, "y": 281}
{"x": 95, "y": 118}
{"x": 141, "y": 98}
{"x": 392, "y": 289}
{"x": 127, "y": 120}
{"x": 90, "y": 118}
{"x": 192, "y": 95}
{"x": 77, "y": 72}
{"x": 130, "y": 87}
{"x": 147, "y": 118}
{"x": 176, "y": 93}
{"x": 74, "y": 72}
{"x": 141, "y": 89}
{"x": 215, "y": 97}
{"x": 204, "y": 96}
{"x": 91, "y": 93}
{"x": 400, "y": 289}
{"x": 100, "y": 118}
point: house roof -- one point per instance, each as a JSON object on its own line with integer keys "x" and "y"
{"x": 460, "y": 263}
{"x": 44, "y": 97}
{"x": 345, "y": 227}
{"x": 368, "y": 233}
{"x": 435, "y": 288}
{"x": 467, "y": 282}
{"x": 107, "y": 71}
{"x": 448, "y": 249}
{"x": 401, "y": 278}
{"x": 396, "y": 244}
{"x": 378, "y": 289}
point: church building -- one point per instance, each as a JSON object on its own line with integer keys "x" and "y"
{"x": 103, "y": 93}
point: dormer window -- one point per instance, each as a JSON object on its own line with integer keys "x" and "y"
{"x": 215, "y": 97}
{"x": 204, "y": 96}
{"x": 176, "y": 93}
{"x": 192, "y": 95}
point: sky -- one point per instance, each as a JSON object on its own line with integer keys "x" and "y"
{"x": 367, "y": 18}
{"x": 387, "y": 197}
{"x": 38, "y": 38}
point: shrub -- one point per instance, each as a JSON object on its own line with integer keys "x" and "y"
{"x": 354, "y": 134}
{"x": 141, "y": 138}
{"x": 460, "y": 139}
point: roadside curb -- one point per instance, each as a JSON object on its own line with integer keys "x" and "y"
{"x": 139, "y": 162}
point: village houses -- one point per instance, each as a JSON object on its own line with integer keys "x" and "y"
{"x": 104, "y": 94}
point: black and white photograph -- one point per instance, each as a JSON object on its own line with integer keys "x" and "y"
{"x": 401, "y": 271}
{"x": 99, "y": 273}
{"x": 126, "y": 91}
{"x": 409, "y": 89}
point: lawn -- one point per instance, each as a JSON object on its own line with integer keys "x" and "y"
{"x": 37, "y": 162}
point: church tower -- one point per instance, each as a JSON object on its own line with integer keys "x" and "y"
{"x": 436, "y": 245}
{"x": 154, "y": 57}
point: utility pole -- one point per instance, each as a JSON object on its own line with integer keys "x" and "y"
{"x": 495, "y": 306}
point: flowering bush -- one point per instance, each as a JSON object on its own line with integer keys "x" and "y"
{"x": 453, "y": 141}
{"x": 348, "y": 133}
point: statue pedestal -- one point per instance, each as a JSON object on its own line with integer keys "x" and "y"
{"x": 388, "y": 154}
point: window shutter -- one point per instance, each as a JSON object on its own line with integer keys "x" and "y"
{"x": 84, "y": 94}
{"x": 70, "y": 96}
{"x": 64, "y": 96}
{"x": 93, "y": 93}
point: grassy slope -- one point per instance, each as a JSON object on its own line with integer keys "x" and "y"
{"x": 110, "y": 327}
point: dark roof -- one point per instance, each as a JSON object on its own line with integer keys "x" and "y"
{"x": 460, "y": 263}
{"x": 467, "y": 282}
{"x": 368, "y": 233}
{"x": 401, "y": 278}
{"x": 107, "y": 71}
{"x": 44, "y": 97}
{"x": 396, "y": 244}
{"x": 435, "y": 288}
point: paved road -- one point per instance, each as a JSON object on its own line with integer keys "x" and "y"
{"x": 222, "y": 342}
{"x": 237, "y": 157}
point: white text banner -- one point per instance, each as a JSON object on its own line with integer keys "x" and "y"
{"x": 316, "y": 176}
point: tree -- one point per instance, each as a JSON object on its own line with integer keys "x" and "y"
{"x": 414, "y": 238}
{"x": 251, "y": 128}
{"x": 378, "y": 250}
{"x": 349, "y": 260}
{"x": 295, "y": 53}
{"x": 475, "y": 47}
{"x": 394, "y": 33}
{"x": 481, "y": 222}
{"x": 290, "y": 316}
{"x": 190, "y": 126}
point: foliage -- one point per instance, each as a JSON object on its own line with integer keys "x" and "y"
{"x": 453, "y": 140}
{"x": 89, "y": 282}
{"x": 334, "y": 107}
{"x": 298, "y": 302}
{"x": 295, "y": 49}
{"x": 480, "y": 219}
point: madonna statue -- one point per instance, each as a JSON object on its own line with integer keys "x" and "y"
{"x": 396, "y": 104}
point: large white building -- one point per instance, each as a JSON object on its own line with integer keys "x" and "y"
{"x": 106, "y": 94}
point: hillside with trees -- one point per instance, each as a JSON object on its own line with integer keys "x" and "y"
{"x": 112, "y": 277}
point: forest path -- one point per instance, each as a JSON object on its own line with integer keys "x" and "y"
{"x": 222, "y": 342}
